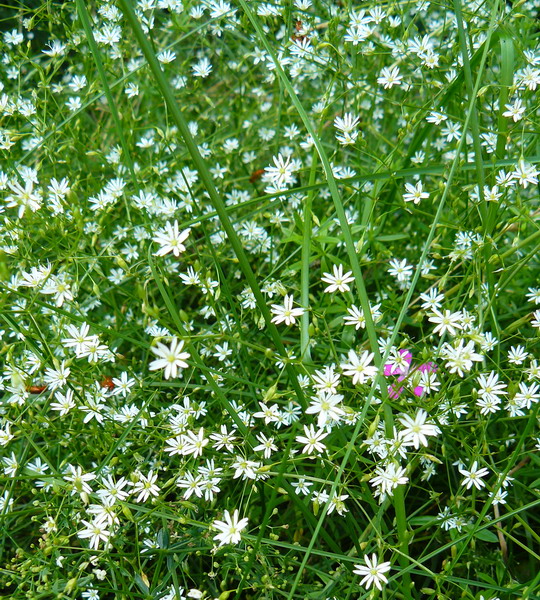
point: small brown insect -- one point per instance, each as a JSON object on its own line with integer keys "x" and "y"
{"x": 108, "y": 383}
{"x": 36, "y": 389}
{"x": 299, "y": 37}
{"x": 256, "y": 175}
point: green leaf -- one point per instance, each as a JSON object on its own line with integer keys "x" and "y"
{"x": 486, "y": 536}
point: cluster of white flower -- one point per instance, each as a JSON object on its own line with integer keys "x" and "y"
{"x": 315, "y": 301}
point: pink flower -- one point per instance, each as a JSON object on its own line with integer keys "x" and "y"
{"x": 401, "y": 367}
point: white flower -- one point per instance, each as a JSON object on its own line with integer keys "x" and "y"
{"x": 338, "y": 281}
{"x": 499, "y": 497}
{"x": 64, "y": 403}
{"x": 326, "y": 380}
{"x": 112, "y": 490}
{"x": 166, "y": 57}
{"x": 337, "y": 503}
{"x": 447, "y": 322}
{"x": 145, "y": 487}
{"x": 356, "y": 316}
{"x": 302, "y": 486}
{"x": 389, "y": 77}
{"x": 195, "y": 443}
{"x": 171, "y": 239}
{"x": 270, "y": 414}
{"x": 312, "y": 440}
{"x": 170, "y": 359}
{"x": 432, "y": 299}
{"x": 24, "y": 197}
{"x": 58, "y": 287}
{"x": 488, "y": 405}
{"x": 492, "y": 194}
{"x": 400, "y": 269}
{"x": 517, "y": 354}
{"x": 514, "y": 111}
{"x": 388, "y": 477}
{"x": 490, "y": 388}
{"x": 282, "y": 173}
{"x": 286, "y": 313}
{"x": 373, "y": 572}
{"x": 96, "y": 531}
{"x": 230, "y": 528}
{"x": 203, "y": 68}
{"x": 415, "y": 430}
{"x": 325, "y": 405}
{"x": 123, "y": 384}
{"x": 247, "y": 469}
{"x": 266, "y": 445}
{"x": 79, "y": 480}
{"x": 55, "y": 48}
{"x": 56, "y": 378}
{"x": 460, "y": 358}
{"x": 524, "y": 174}
{"x": 359, "y": 367}
{"x": 415, "y": 193}
{"x": 474, "y": 476}
{"x": 193, "y": 484}
{"x": 527, "y": 395}
{"x": 347, "y": 125}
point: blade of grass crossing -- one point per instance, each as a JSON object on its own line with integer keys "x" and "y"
{"x": 204, "y": 172}
{"x": 507, "y": 79}
{"x": 331, "y": 181}
{"x": 217, "y": 390}
{"x": 475, "y": 130}
{"x": 221, "y": 211}
{"x": 304, "y": 274}
{"x": 486, "y": 213}
{"x": 85, "y": 20}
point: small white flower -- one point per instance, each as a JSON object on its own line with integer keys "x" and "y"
{"x": 203, "y": 68}
{"x": 474, "y": 476}
{"x": 359, "y": 367}
{"x": 338, "y": 280}
{"x": 171, "y": 359}
{"x": 414, "y": 193}
{"x": 389, "y": 77}
{"x": 373, "y": 572}
{"x": 415, "y": 430}
{"x": 312, "y": 440}
{"x": 514, "y": 111}
{"x": 96, "y": 531}
{"x": 446, "y": 322}
{"x": 230, "y": 529}
{"x": 286, "y": 313}
{"x": 171, "y": 239}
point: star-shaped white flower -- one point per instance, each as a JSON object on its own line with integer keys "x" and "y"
{"x": 170, "y": 239}
{"x": 171, "y": 359}
{"x": 230, "y": 528}
{"x": 373, "y": 572}
{"x": 286, "y": 313}
{"x": 338, "y": 280}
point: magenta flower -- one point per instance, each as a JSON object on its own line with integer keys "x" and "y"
{"x": 401, "y": 368}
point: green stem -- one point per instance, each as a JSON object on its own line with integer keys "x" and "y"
{"x": 304, "y": 275}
